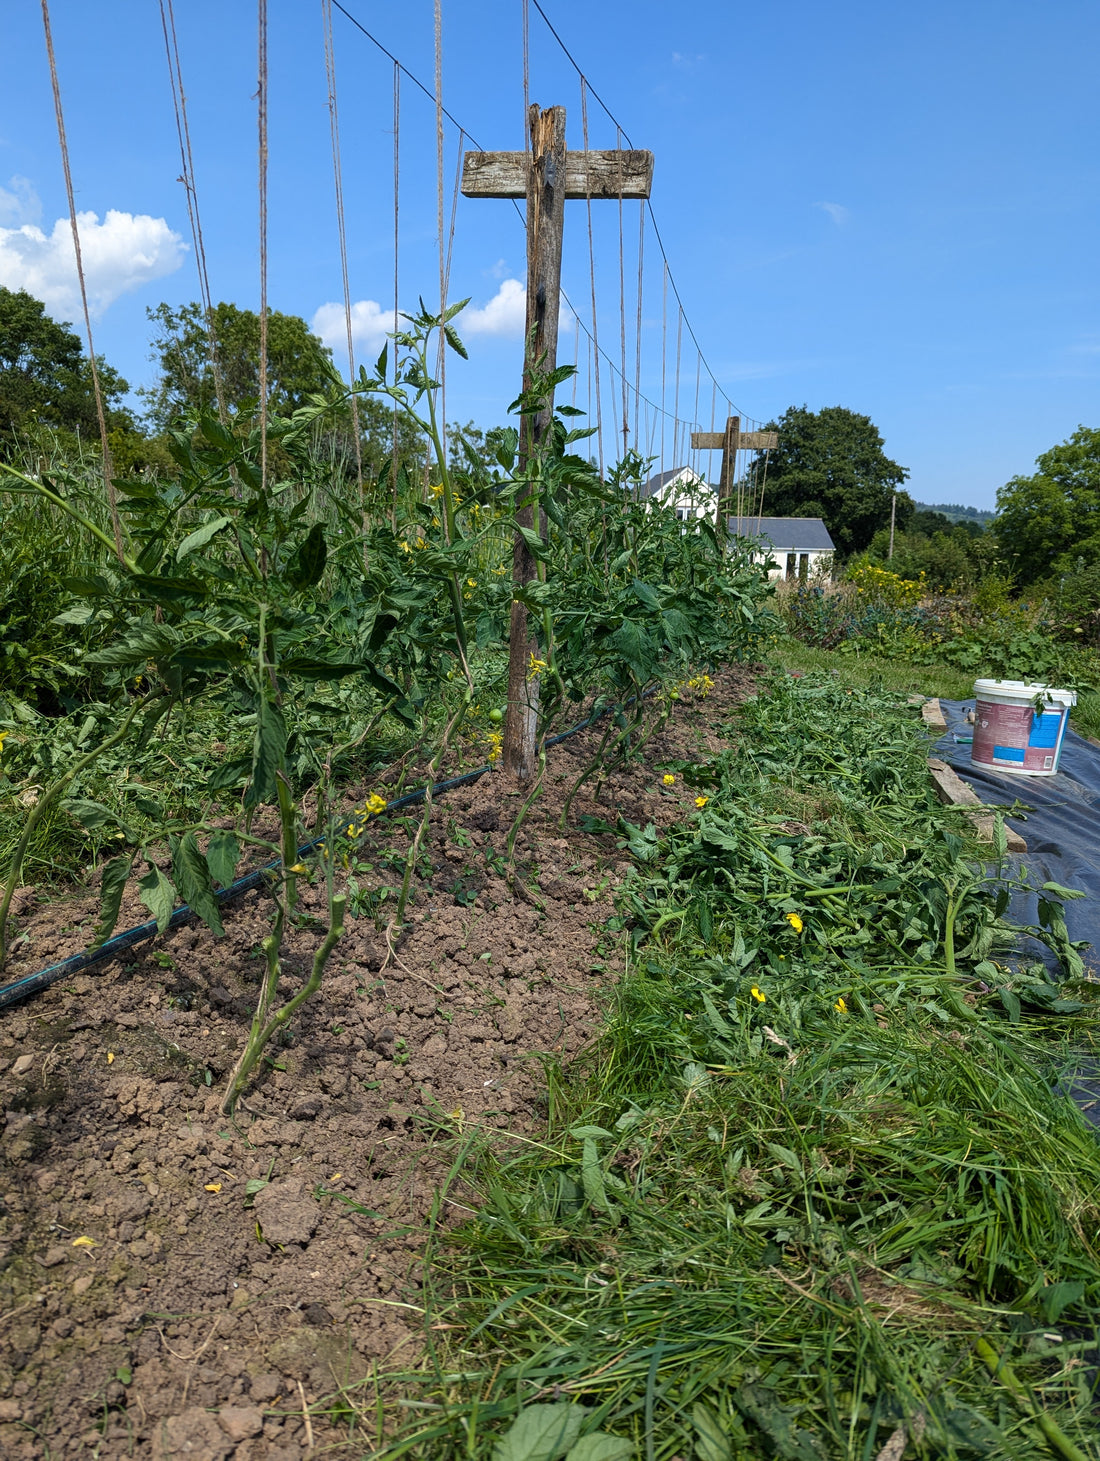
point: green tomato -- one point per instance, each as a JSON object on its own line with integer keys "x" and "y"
{"x": 496, "y": 715}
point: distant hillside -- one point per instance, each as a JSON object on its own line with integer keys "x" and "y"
{"x": 957, "y": 513}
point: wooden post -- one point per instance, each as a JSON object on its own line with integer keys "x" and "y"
{"x": 730, "y": 442}
{"x": 893, "y": 514}
{"x": 545, "y": 225}
{"x": 546, "y": 176}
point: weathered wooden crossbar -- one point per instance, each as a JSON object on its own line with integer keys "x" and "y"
{"x": 746, "y": 440}
{"x": 601, "y": 174}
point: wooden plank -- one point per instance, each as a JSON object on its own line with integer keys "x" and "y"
{"x": 933, "y": 717}
{"x": 602, "y": 174}
{"x": 746, "y": 441}
{"x": 953, "y": 791}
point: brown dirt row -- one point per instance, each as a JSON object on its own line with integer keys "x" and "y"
{"x": 197, "y": 1320}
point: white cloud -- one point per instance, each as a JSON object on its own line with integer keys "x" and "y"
{"x": 19, "y": 203}
{"x": 370, "y": 324}
{"x": 505, "y": 314}
{"x": 836, "y": 211}
{"x": 122, "y": 253}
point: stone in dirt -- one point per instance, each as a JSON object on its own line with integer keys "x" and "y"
{"x": 240, "y": 1422}
{"x": 22, "y": 1065}
{"x": 285, "y": 1213}
{"x": 194, "y": 1433}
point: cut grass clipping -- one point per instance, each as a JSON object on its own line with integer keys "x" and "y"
{"x": 814, "y": 1194}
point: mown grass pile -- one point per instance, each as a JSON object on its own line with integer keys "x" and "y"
{"x": 815, "y": 1193}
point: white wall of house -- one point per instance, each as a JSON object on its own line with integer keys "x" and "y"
{"x": 689, "y": 496}
{"x": 804, "y": 565}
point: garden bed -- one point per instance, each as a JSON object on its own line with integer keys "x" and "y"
{"x": 156, "y": 1297}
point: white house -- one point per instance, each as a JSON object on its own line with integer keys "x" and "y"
{"x": 685, "y": 492}
{"x": 801, "y": 546}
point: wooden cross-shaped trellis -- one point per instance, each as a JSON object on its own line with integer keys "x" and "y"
{"x": 729, "y": 443}
{"x": 546, "y": 176}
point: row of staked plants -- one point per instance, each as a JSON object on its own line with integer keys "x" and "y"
{"x": 264, "y": 631}
{"x": 815, "y": 1192}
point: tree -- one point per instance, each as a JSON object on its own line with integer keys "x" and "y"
{"x": 299, "y": 363}
{"x": 45, "y": 378}
{"x": 1046, "y": 522}
{"x": 830, "y": 464}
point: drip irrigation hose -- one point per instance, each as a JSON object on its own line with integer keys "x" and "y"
{"x": 30, "y": 984}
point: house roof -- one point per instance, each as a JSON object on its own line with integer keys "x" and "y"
{"x": 786, "y": 534}
{"x": 657, "y": 484}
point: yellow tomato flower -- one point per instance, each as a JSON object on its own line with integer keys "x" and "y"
{"x": 3, "y": 737}
{"x": 668, "y": 779}
{"x": 840, "y": 1007}
{"x": 795, "y": 922}
{"x": 375, "y": 804}
{"x": 758, "y": 996}
{"x": 701, "y": 801}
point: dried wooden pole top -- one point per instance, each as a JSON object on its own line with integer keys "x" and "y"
{"x": 613, "y": 173}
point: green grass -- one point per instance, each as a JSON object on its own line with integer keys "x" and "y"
{"x": 812, "y": 1176}
{"x": 872, "y": 672}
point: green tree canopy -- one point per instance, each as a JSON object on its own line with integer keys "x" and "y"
{"x": 830, "y": 464}
{"x": 1048, "y": 521}
{"x": 299, "y": 363}
{"x": 45, "y": 377}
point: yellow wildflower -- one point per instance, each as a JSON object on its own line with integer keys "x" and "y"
{"x": 758, "y": 996}
{"x": 795, "y": 922}
{"x": 701, "y": 801}
{"x": 840, "y": 1007}
{"x": 668, "y": 779}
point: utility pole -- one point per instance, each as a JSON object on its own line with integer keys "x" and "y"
{"x": 545, "y": 176}
{"x": 893, "y": 514}
{"x": 730, "y": 442}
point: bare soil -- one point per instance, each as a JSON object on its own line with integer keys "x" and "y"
{"x": 149, "y": 1306}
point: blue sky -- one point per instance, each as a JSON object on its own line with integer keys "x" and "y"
{"x": 888, "y": 208}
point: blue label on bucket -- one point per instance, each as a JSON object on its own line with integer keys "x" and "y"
{"x": 1008, "y": 753}
{"x": 1045, "y": 726}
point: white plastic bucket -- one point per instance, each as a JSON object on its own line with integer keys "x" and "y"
{"x": 1019, "y": 728}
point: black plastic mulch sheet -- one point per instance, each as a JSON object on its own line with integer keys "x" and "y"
{"x": 1061, "y": 825}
